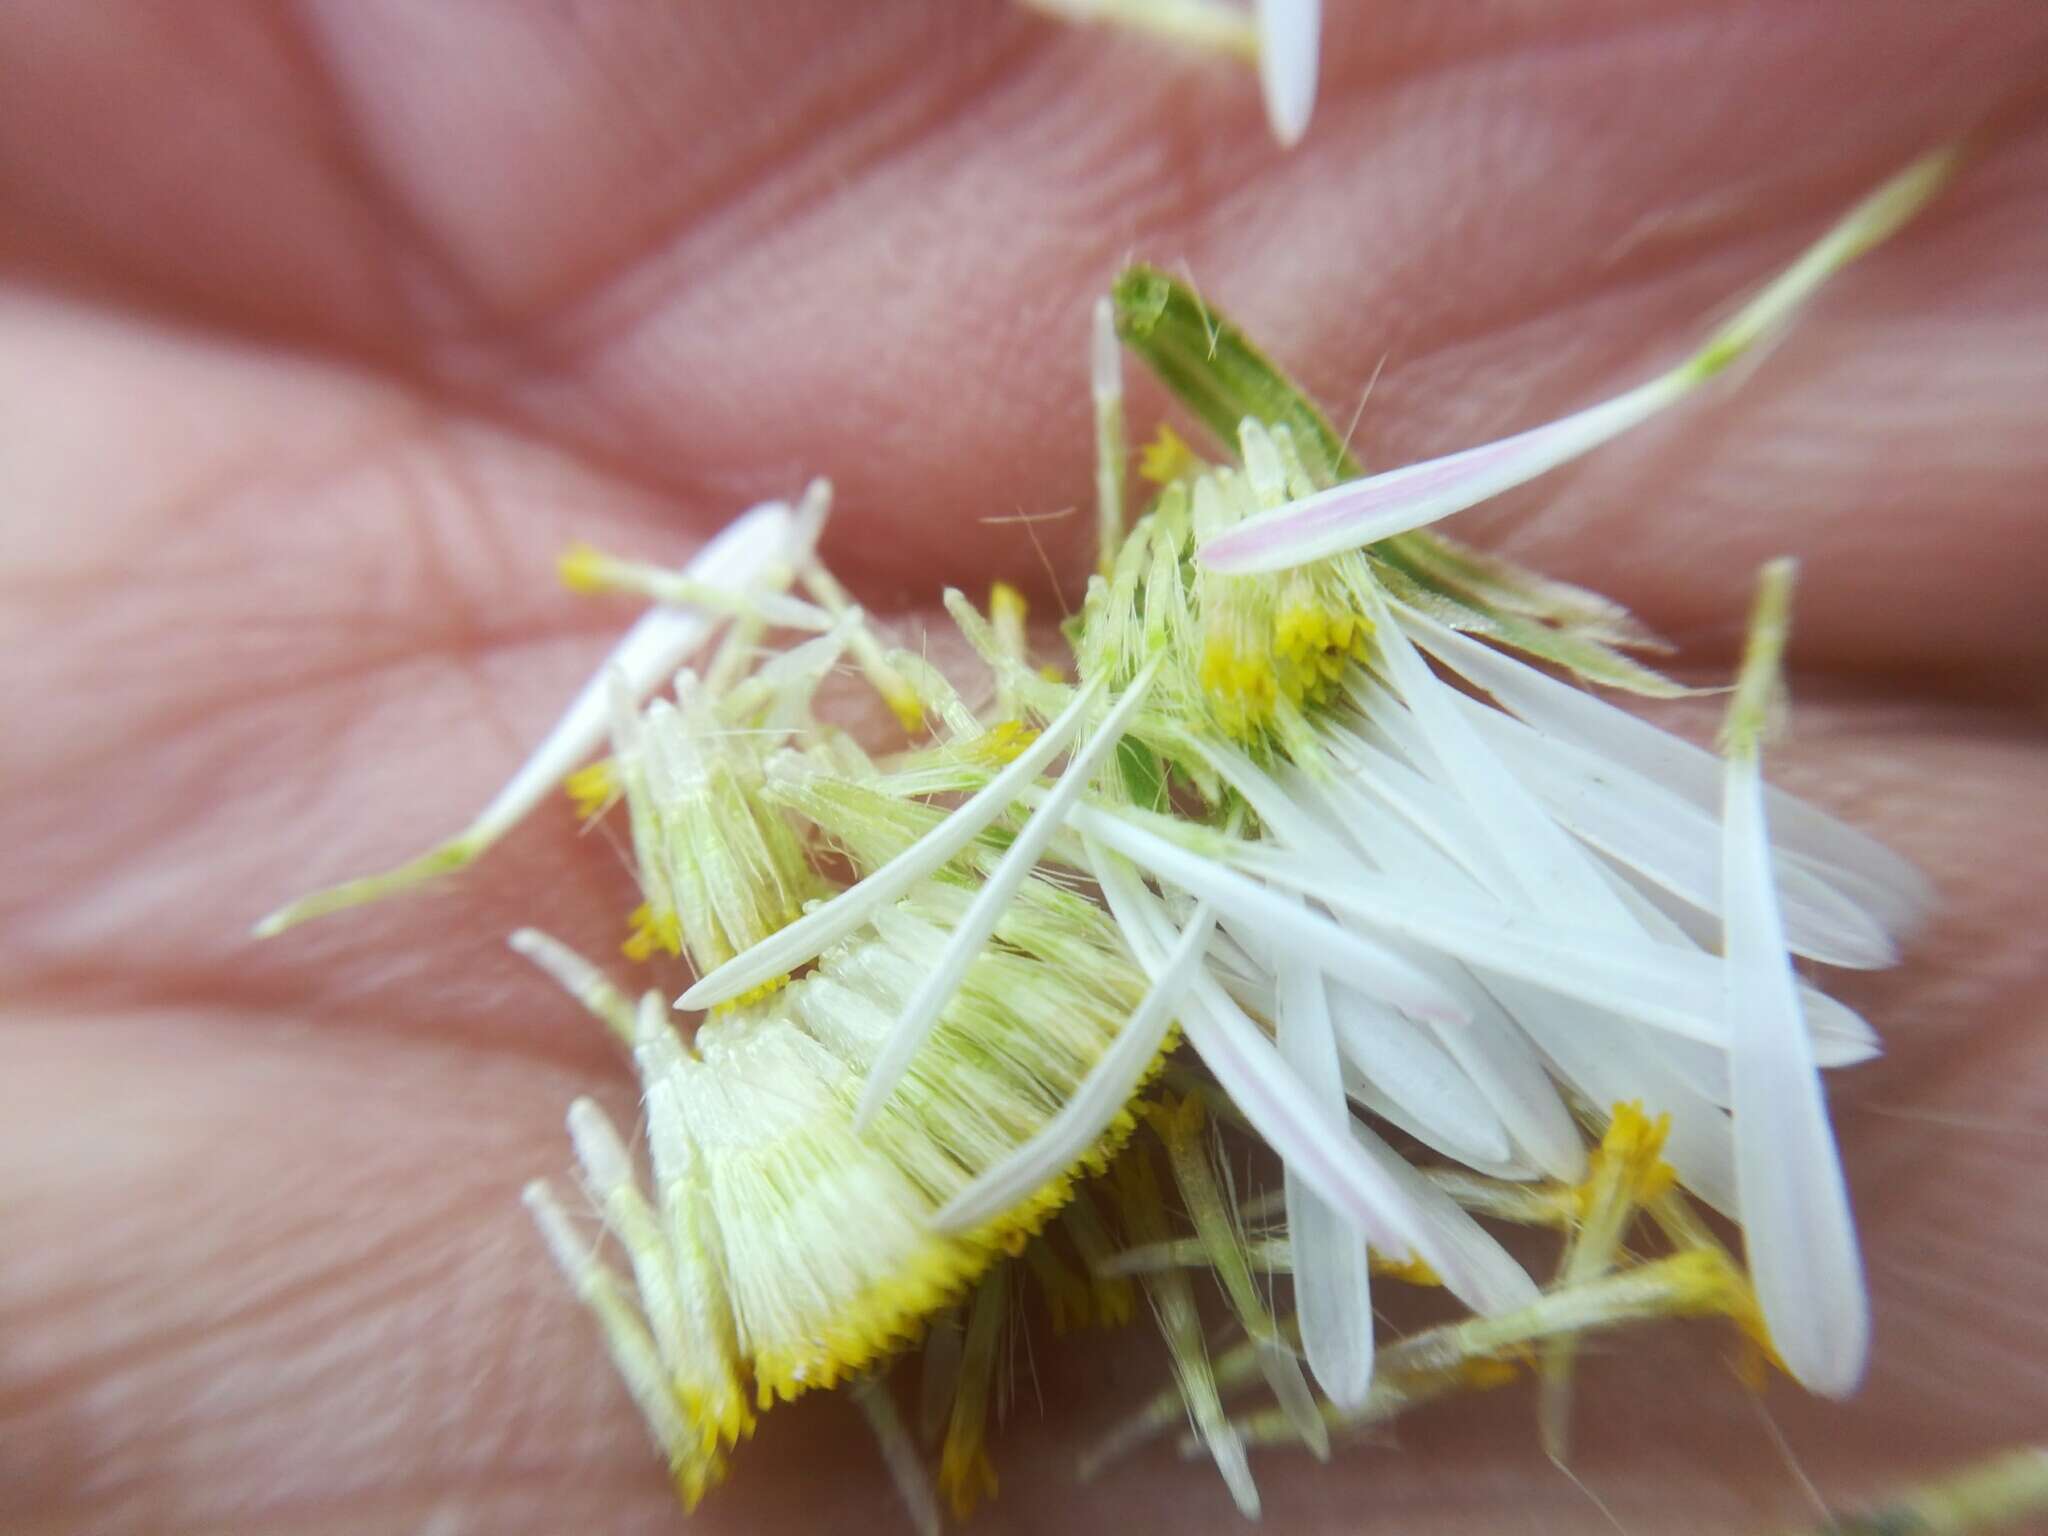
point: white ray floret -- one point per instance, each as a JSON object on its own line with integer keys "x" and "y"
{"x": 1660, "y": 985}
{"x": 1307, "y": 938}
{"x": 1406, "y": 1063}
{"x": 1841, "y": 1037}
{"x": 1390, "y": 976}
{"x": 1554, "y": 872}
{"x": 802, "y": 940}
{"x": 1397, "y": 1057}
{"x": 1672, "y": 843}
{"x": 755, "y": 542}
{"x": 1797, "y": 1229}
{"x": 1283, "y": 1112}
{"x": 978, "y": 924}
{"x": 1851, "y": 862}
{"x": 1290, "y": 47}
{"x": 1332, "y": 1277}
{"x": 1488, "y": 1045}
{"x": 1362, "y": 512}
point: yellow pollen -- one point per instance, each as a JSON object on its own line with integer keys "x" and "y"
{"x": 652, "y": 931}
{"x": 1298, "y": 656}
{"x": 905, "y": 706}
{"x": 966, "y": 1475}
{"x": 1242, "y": 690}
{"x": 593, "y": 789}
{"x": 1631, "y": 1154}
{"x": 1006, "y": 605}
{"x": 584, "y": 569}
{"x": 1001, "y": 743}
{"x": 1313, "y": 644}
{"x": 1167, "y": 458}
{"x": 1486, "y": 1372}
{"x": 767, "y": 988}
{"x": 1413, "y": 1270}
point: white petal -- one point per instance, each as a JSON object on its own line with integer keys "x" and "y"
{"x": 1105, "y": 354}
{"x": 1600, "y": 1054}
{"x": 1389, "y": 977}
{"x": 1411, "y": 1068}
{"x": 1362, "y": 512}
{"x": 1491, "y": 1049}
{"x": 976, "y": 925}
{"x": 1670, "y": 988}
{"x": 1282, "y": 1111}
{"x": 1332, "y": 1280}
{"x": 753, "y": 542}
{"x": 1670, "y": 841}
{"x": 1452, "y": 1231}
{"x": 1365, "y": 511}
{"x": 1855, "y": 864}
{"x": 1554, "y": 873}
{"x": 802, "y": 940}
{"x": 1609, "y": 1062}
{"x": 1794, "y": 1205}
{"x": 1282, "y": 925}
{"x": 1373, "y": 1102}
{"x": 1290, "y": 39}
{"x": 1376, "y": 782}
{"x": 651, "y": 650}
{"x": 1841, "y": 1037}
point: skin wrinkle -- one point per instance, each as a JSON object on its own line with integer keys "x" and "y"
{"x": 407, "y": 254}
{"x": 411, "y": 1066}
{"x": 737, "y": 485}
{"x": 749, "y": 154}
{"x": 561, "y": 334}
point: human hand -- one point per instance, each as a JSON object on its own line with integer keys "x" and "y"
{"x": 325, "y": 327}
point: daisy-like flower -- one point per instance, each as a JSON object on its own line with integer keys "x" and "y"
{"x": 1301, "y": 806}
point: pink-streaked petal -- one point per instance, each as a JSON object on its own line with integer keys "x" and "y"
{"x": 1362, "y": 512}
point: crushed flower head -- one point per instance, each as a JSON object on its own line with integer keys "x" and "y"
{"x": 1320, "y": 841}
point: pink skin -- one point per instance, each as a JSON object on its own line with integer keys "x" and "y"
{"x": 324, "y": 326}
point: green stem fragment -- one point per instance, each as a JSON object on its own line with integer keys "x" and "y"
{"x": 1998, "y": 1493}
